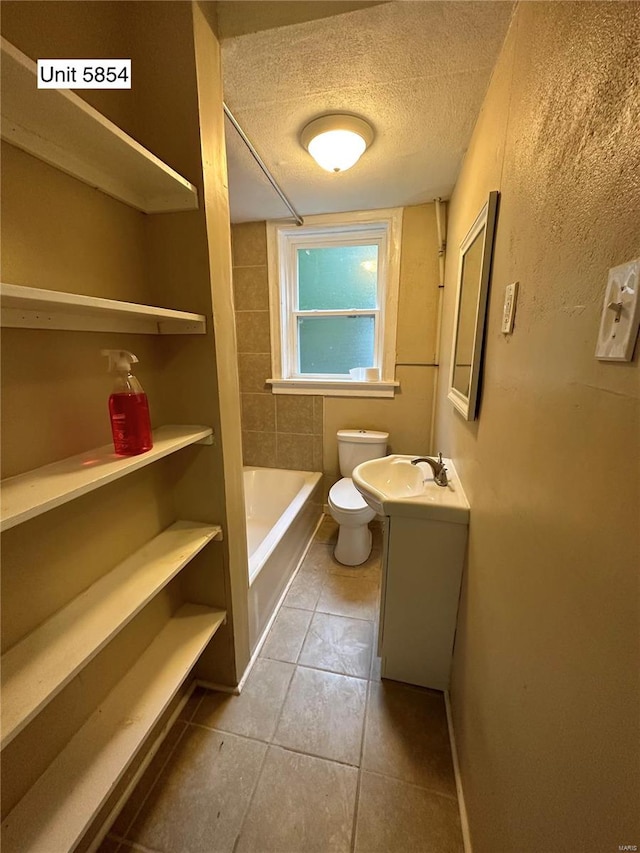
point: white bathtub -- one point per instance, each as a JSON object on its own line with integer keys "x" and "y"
{"x": 283, "y": 508}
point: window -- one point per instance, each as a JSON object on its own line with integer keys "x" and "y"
{"x": 334, "y": 293}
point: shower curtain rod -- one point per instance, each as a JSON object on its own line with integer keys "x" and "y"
{"x": 259, "y": 161}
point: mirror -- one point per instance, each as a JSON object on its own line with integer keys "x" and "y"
{"x": 471, "y": 304}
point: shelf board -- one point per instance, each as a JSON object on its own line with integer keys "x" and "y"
{"x": 58, "y": 127}
{"x": 33, "y": 308}
{"x": 57, "y": 811}
{"x": 36, "y": 669}
{"x": 30, "y": 494}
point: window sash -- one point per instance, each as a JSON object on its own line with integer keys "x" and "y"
{"x": 295, "y": 349}
{"x": 329, "y": 238}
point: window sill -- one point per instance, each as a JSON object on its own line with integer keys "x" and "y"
{"x": 334, "y": 387}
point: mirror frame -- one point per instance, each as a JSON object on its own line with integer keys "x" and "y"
{"x": 468, "y": 405}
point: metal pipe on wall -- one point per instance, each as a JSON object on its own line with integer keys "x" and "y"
{"x": 442, "y": 244}
{"x": 243, "y": 136}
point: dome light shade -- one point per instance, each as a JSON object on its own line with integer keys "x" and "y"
{"x": 337, "y": 142}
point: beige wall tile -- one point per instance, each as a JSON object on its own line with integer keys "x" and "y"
{"x": 294, "y": 452}
{"x": 251, "y": 288}
{"x": 259, "y": 449}
{"x": 318, "y": 415}
{"x": 253, "y": 369}
{"x": 253, "y": 331}
{"x": 317, "y": 453}
{"x": 249, "y": 244}
{"x": 294, "y": 414}
{"x": 258, "y": 412}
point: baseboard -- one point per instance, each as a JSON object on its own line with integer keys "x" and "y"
{"x": 464, "y": 821}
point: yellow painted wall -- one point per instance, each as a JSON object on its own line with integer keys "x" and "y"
{"x": 545, "y": 676}
{"x": 61, "y": 234}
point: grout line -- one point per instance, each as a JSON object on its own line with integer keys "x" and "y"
{"x": 451, "y": 797}
{"x": 333, "y": 672}
{"x": 314, "y": 755}
{"x": 249, "y": 266}
{"x": 251, "y": 798}
{"x": 271, "y": 742}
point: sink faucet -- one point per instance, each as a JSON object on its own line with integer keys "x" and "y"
{"x": 438, "y": 467}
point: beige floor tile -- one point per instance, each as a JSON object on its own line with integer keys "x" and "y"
{"x": 305, "y": 591}
{"x": 200, "y": 800}
{"x": 339, "y": 644}
{"x": 149, "y": 778}
{"x": 323, "y": 715}
{"x": 406, "y": 736}
{"x": 318, "y": 560}
{"x": 371, "y": 569}
{"x": 287, "y": 634}
{"x": 327, "y": 532}
{"x": 255, "y": 712}
{"x": 395, "y": 817}
{"x": 349, "y": 597}
{"x": 301, "y": 805}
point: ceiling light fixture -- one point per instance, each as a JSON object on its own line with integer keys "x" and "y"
{"x": 336, "y": 142}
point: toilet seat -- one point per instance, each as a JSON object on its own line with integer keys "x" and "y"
{"x": 345, "y": 497}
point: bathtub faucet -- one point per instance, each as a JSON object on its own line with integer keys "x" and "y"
{"x": 438, "y": 467}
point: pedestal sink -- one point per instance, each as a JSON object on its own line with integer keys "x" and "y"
{"x": 425, "y": 537}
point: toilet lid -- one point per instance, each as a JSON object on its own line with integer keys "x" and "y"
{"x": 345, "y": 496}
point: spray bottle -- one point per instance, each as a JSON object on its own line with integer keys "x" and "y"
{"x": 128, "y": 406}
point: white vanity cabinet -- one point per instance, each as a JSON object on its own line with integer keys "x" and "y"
{"x": 422, "y": 571}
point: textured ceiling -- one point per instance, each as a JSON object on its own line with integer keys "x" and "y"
{"x": 417, "y": 71}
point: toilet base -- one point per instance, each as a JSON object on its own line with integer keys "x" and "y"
{"x": 354, "y": 545}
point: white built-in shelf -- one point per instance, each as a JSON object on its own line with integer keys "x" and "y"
{"x": 57, "y": 811}
{"x": 27, "y": 495}
{"x": 58, "y": 127}
{"x": 36, "y": 669}
{"x": 33, "y": 308}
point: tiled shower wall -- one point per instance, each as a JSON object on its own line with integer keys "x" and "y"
{"x": 278, "y": 431}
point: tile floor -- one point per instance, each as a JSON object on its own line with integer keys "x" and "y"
{"x": 317, "y": 754}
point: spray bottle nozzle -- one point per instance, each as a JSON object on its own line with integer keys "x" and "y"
{"x": 120, "y": 359}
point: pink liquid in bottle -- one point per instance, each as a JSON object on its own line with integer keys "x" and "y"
{"x": 130, "y": 423}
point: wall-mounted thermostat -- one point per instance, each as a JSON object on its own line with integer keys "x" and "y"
{"x": 620, "y": 313}
{"x": 509, "y": 310}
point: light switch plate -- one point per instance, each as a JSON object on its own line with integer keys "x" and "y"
{"x": 509, "y": 310}
{"x": 620, "y": 313}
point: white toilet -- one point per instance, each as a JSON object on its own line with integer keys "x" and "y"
{"x": 346, "y": 504}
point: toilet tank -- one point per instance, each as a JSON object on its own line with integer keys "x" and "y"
{"x": 359, "y": 445}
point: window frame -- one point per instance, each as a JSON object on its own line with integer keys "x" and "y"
{"x": 380, "y": 227}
